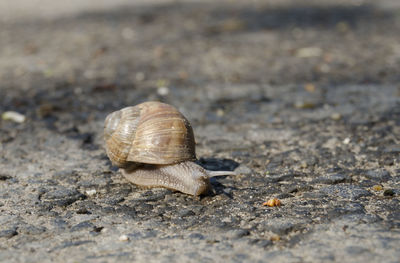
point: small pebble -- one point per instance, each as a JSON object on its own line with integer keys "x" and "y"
{"x": 124, "y": 238}
{"x": 220, "y": 112}
{"x": 308, "y": 52}
{"x": 346, "y": 141}
{"x": 163, "y": 91}
{"x": 91, "y": 192}
{"x": 336, "y": 116}
{"x": 13, "y": 116}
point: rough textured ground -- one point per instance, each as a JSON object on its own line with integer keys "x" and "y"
{"x": 302, "y": 98}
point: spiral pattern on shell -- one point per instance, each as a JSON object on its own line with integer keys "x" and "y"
{"x": 151, "y": 133}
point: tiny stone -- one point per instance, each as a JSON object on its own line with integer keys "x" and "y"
{"x": 346, "y": 141}
{"x": 163, "y": 91}
{"x": 307, "y": 52}
{"x": 91, "y": 192}
{"x": 336, "y": 116}
{"x": 13, "y": 116}
{"x": 220, "y": 112}
{"x": 123, "y": 238}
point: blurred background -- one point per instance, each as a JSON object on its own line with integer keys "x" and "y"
{"x": 89, "y": 57}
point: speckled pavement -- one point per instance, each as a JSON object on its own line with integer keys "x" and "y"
{"x": 302, "y": 100}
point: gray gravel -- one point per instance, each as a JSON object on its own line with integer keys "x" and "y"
{"x": 301, "y": 99}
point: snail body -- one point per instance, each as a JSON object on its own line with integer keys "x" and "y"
{"x": 153, "y": 145}
{"x": 186, "y": 177}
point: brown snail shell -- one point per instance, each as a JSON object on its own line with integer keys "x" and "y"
{"x": 151, "y": 132}
{"x": 153, "y": 144}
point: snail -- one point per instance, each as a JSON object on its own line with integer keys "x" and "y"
{"x": 153, "y": 145}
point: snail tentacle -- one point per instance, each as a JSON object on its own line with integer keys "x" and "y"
{"x": 220, "y": 173}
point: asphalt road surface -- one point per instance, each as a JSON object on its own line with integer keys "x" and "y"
{"x": 300, "y": 98}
